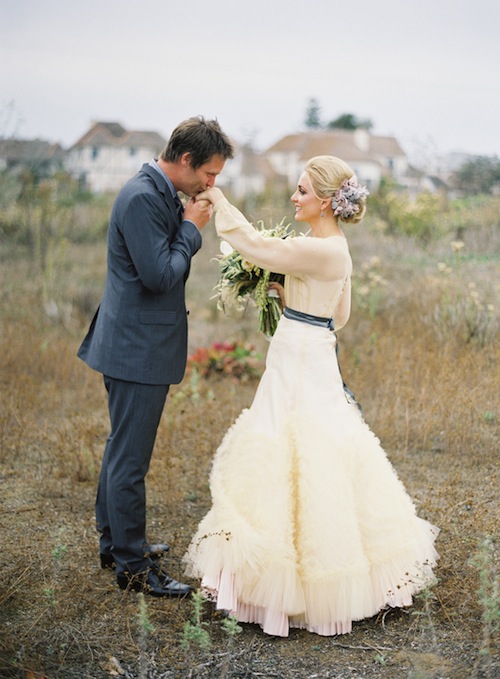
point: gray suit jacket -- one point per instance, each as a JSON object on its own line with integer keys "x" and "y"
{"x": 139, "y": 332}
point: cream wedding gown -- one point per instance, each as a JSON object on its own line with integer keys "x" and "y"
{"x": 309, "y": 526}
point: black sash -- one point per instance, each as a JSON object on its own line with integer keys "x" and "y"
{"x": 294, "y": 315}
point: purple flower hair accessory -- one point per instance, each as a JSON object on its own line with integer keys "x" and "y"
{"x": 347, "y": 199}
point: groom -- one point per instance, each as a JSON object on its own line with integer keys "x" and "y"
{"x": 138, "y": 337}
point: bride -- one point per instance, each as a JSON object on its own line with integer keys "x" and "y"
{"x": 309, "y": 526}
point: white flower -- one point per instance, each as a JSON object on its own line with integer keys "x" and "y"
{"x": 457, "y": 245}
{"x": 240, "y": 281}
{"x": 225, "y": 248}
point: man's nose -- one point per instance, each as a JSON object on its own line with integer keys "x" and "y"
{"x": 210, "y": 182}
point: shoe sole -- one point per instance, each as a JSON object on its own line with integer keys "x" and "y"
{"x": 131, "y": 586}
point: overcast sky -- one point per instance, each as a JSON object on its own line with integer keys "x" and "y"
{"x": 426, "y": 71}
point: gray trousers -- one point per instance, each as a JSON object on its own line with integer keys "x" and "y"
{"x": 135, "y": 411}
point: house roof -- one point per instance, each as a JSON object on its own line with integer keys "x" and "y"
{"x": 29, "y": 150}
{"x": 385, "y": 145}
{"x": 342, "y": 143}
{"x": 114, "y": 134}
{"x": 253, "y": 163}
{"x": 144, "y": 138}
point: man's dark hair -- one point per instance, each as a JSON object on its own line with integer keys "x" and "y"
{"x": 199, "y": 137}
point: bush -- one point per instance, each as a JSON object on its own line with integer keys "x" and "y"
{"x": 403, "y": 217}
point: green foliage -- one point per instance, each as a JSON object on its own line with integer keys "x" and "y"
{"x": 345, "y": 121}
{"x": 425, "y": 599}
{"x": 145, "y": 629}
{"x": 59, "y": 551}
{"x": 143, "y": 617}
{"x": 9, "y": 189}
{"x": 50, "y": 595}
{"x": 313, "y": 118}
{"x": 402, "y": 216}
{"x": 231, "y": 627}
{"x": 489, "y": 592}
{"x": 380, "y": 659}
{"x": 481, "y": 175}
{"x": 348, "y": 121}
{"x": 195, "y": 631}
{"x": 241, "y": 281}
{"x": 469, "y": 214}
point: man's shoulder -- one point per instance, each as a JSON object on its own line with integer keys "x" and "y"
{"x": 144, "y": 177}
{"x": 144, "y": 182}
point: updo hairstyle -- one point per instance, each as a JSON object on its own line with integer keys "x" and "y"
{"x": 326, "y": 174}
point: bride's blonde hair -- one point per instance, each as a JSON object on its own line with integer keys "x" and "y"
{"x": 327, "y": 174}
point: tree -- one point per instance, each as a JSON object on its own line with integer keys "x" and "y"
{"x": 348, "y": 121}
{"x": 313, "y": 119}
{"x": 480, "y": 175}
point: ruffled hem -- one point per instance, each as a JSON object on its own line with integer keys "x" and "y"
{"x": 326, "y": 608}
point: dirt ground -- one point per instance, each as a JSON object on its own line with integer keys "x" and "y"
{"x": 62, "y": 616}
{"x": 434, "y": 406}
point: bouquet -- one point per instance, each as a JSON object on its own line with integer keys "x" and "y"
{"x": 240, "y": 280}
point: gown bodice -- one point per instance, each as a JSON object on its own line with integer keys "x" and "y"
{"x": 316, "y": 269}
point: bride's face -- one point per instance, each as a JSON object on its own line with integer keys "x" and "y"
{"x": 307, "y": 205}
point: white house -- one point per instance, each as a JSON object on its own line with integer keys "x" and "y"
{"x": 246, "y": 174}
{"x": 370, "y": 156}
{"x": 108, "y": 155}
{"x": 41, "y": 156}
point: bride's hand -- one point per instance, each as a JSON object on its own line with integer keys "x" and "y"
{"x": 280, "y": 290}
{"x": 212, "y": 195}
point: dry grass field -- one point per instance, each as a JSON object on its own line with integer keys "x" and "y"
{"x": 420, "y": 353}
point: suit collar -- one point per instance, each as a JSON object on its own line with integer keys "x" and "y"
{"x": 159, "y": 180}
{"x": 161, "y": 184}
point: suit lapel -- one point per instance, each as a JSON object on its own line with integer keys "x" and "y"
{"x": 163, "y": 188}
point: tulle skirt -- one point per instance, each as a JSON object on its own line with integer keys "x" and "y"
{"x": 310, "y": 526}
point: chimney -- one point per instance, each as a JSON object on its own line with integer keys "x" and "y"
{"x": 362, "y": 138}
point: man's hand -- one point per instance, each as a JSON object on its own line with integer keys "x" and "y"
{"x": 214, "y": 195}
{"x": 198, "y": 211}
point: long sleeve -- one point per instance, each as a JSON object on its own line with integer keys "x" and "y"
{"x": 322, "y": 258}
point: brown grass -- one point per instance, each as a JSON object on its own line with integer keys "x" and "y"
{"x": 428, "y": 393}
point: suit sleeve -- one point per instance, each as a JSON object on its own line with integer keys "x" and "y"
{"x": 325, "y": 259}
{"x": 159, "y": 249}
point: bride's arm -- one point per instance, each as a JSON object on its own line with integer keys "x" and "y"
{"x": 294, "y": 256}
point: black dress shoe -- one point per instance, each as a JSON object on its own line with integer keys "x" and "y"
{"x": 155, "y": 552}
{"x": 153, "y": 582}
